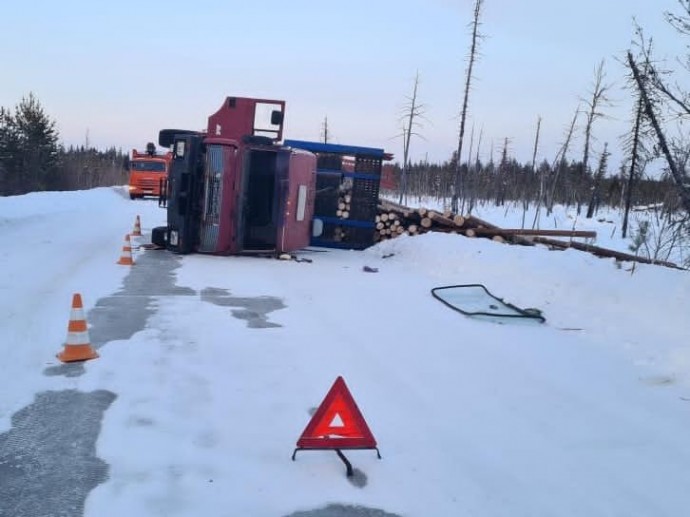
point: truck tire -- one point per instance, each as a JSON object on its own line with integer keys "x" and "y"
{"x": 159, "y": 236}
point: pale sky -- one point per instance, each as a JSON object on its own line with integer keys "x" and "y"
{"x": 123, "y": 70}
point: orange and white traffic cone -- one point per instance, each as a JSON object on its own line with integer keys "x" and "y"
{"x": 136, "y": 232}
{"x": 78, "y": 347}
{"x": 126, "y": 257}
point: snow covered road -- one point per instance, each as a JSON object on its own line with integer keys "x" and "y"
{"x": 212, "y": 388}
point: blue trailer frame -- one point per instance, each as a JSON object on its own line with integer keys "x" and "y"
{"x": 365, "y": 180}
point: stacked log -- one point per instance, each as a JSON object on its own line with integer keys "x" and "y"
{"x": 339, "y": 234}
{"x": 390, "y": 224}
{"x": 344, "y": 202}
{"x": 394, "y": 219}
{"x": 422, "y": 220}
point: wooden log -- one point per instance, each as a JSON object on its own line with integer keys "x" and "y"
{"x": 412, "y": 229}
{"x": 400, "y": 211}
{"x": 603, "y": 252}
{"x": 441, "y": 219}
{"x": 524, "y": 231}
{"x": 391, "y": 205}
{"x": 470, "y": 233}
{"x": 345, "y": 214}
{"x": 459, "y": 220}
{"x": 410, "y": 217}
{"x": 384, "y": 217}
{"x": 426, "y": 222}
{"x": 475, "y": 222}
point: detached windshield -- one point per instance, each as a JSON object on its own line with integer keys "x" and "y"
{"x": 148, "y": 166}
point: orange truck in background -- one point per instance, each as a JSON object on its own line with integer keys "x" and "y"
{"x": 147, "y": 171}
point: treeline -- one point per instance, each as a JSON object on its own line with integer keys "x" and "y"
{"x": 566, "y": 183}
{"x": 32, "y": 159}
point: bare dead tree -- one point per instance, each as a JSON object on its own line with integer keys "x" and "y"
{"x": 479, "y": 145}
{"x": 477, "y": 173}
{"x": 469, "y": 183}
{"x": 597, "y": 99}
{"x": 541, "y": 175}
{"x": 324, "y": 130}
{"x": 679, "y": 99}
{"x": 469, "y": 152}
{"x": 634, "y": 167}
{"x": 660, "y": 98}
{"x": 503, "y": 175}
{"x": 412, "y": 111}
{"x": 680, "y": 104}
{"x": 458, "y": 187}
{"x": 598, "y": 176}
{"x": 635, "y": 144}
{"x": 559, "y": 161}
{"x": 678, "y": 174}
{"x": 681, "y": 22}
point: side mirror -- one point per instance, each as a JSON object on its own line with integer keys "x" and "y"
{"x": 166, "y": 137}
{"x": 276, "y": 118}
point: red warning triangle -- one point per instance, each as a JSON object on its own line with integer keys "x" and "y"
{"x": 337, "y": 423}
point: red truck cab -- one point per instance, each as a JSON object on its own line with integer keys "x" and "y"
{"x": 146, "y": 172}
{"x": 234, "y": 188}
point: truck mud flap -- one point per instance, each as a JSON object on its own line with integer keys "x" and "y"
{"x": 159, "y": 236}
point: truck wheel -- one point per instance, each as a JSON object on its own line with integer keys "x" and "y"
{"x": 132, "y": 197}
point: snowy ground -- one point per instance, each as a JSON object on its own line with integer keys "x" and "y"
{"x": 587, "y": 414}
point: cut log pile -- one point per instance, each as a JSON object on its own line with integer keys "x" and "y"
{"x": 394, "y": 220}
{"x": 344, "y": 205}
{"x": 340, "y": 233}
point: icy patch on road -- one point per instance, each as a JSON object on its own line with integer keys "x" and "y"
{"x": 253, "y": 309}
{"x": 48, "y": 462}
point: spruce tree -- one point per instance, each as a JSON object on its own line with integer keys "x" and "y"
{"x": 38, "y": 146}
{"x": 9, "y": 152}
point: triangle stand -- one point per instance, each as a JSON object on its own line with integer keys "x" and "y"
{"x": 337, "y": 425}
{"x": 348, "y": 465}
